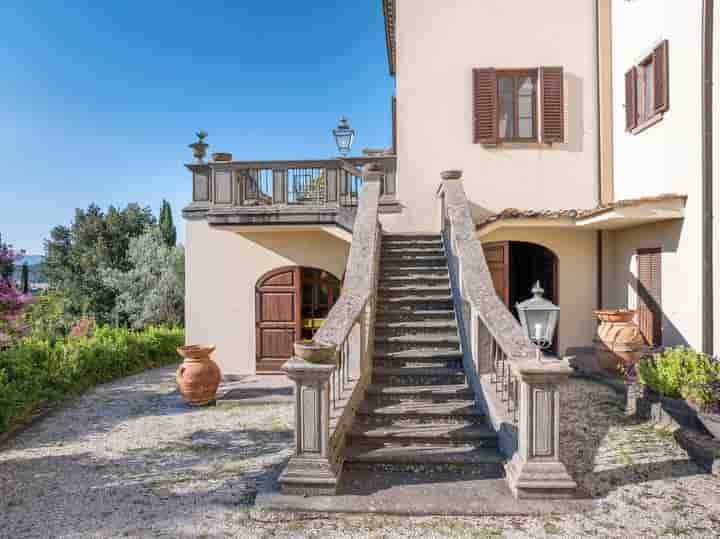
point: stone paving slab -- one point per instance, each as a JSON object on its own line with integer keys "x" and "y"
{"x": 417, "y": 495}
{"x": 130, "y": 459}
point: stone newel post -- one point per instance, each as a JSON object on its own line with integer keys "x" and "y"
{"x": 535, "y": 470}
{"x": 311, "y": 470}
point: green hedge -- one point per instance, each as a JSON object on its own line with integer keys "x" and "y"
{"x": 681, "y": 373}
{"x": 38, "y": 370}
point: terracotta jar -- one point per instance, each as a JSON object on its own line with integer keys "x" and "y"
{"x": 199, "y": 376}
{"x": 618, "y": 341}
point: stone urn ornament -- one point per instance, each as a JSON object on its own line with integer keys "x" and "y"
{"x": 199, "y": 148}
{"x": 199, "y": 376}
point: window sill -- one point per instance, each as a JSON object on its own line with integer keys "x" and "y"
{"x": 647, "y": 124}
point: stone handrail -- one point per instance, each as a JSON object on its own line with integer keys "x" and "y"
{"x": 332, "y": 373}
{"x": 518, "y": 386}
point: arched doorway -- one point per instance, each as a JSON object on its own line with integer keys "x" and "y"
{"x": 290, "y": 305}
{"x": 515, "y": 266}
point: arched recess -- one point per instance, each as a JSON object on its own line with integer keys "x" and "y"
{"x": 290, "y": 303}
{"x": 515, "y": 266}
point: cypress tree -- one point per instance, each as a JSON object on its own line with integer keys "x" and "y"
{"x": 167, "y": 227}
{"x": 25, "y": 278}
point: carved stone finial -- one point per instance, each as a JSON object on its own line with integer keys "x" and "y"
{"x": 451, "y": 174}
{"x": 199, "y": 148}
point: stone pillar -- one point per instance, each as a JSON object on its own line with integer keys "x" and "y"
{"x": 535, "y": 470}
{"x": 311, "y": 471}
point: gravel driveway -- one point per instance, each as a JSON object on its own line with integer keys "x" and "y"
{"x": 129, "y": 459}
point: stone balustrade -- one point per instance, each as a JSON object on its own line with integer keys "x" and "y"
{"x": 332, "y": 373}
{"x": 322, "y": 191}
{"x": 519, "y": 388}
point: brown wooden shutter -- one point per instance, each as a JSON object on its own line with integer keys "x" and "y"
{"x": 497, "y": 256}
{"x": 484, "y": 106}
{"x": 394, "y": 125}
{"x": 649, "y": 299}
{"x": 552, "y": 105}
{"x": 660, "y": 61}
{"x": 631, "y": 99}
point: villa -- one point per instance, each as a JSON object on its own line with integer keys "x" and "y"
{"x": 565, "y": 143}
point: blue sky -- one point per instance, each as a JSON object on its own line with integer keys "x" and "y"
{"x": 99, "y": 100}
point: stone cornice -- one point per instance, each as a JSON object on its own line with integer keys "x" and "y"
{"x": 390, "y": 41}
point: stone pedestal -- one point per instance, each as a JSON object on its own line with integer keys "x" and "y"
{"x": 535, "y": 470}
{"x": 311, "y": 471}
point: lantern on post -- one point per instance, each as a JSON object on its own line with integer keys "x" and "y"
{"x": 344, "y": 136}
{"x": 539, "y": 318}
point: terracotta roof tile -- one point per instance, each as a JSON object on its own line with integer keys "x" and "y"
{"x": 514, "y": 213}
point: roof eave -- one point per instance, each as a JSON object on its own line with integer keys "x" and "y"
{"x": 389, "y": 12}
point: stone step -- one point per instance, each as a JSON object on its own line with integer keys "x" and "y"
{"x": 421, "y": 375}
{"x": 412, "y": 271}
{"x": 419, "y": 393}
{"x": 402, "y": 261}
{"x": 409, "y": 279}
{"x": 412, "y": 237}
{"x": 394, "y": 251}
{"x": 420, "y": 341}
{"x": 377, "y": 408}
{"x": 412, "y": 315}
{"x": 451, "y": 359}
{"x": 418, "y": 353}
{"x": 416, "y": 302}
{"x": 414, "y": 327}
{"x": 413, "y": 433}
{"x": 390, "y": 291}
{"x": 424, "y": 458}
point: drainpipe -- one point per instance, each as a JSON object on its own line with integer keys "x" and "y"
{"x": 707, "y": 179}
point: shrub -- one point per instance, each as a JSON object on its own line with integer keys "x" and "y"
{"x": 42, "y": 369}
{"x": 681, "y": 372}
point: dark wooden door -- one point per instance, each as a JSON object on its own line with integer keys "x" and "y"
{"x": 649, "y": 297}
{"x": 497, "y": 256}
{"x": 277, "y": 317}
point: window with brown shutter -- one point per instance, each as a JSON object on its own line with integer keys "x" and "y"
{"x": 630, "y": 95}
{"x": 649, "y": 294}
{"x": 553, "y": 107}
{"x": 646, "y": 90}
{"x": 660, "y": 61}
{"x": 518, "y": 105}
{"x": 484, "y": 106}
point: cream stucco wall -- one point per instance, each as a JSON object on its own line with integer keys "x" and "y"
{"x": 222, "y": 268}
{"x": 438, "y": 45}
{"x": 577, "y": 277}
{"x": 665, "y": 158}
{"x": 679, "y": 291}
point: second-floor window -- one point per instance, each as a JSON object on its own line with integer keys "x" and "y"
{"x": 518, "y": 105}
{"x": 646, "y": 90}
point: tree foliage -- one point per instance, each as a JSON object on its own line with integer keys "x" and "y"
{"x": 76, "y": 256}
{"x": 25, "y": 278}
{"x": 152, "y": 289}
{"x": 167, "y": 227}
{"x": 10, "y": 298}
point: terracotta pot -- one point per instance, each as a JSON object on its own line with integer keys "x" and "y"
{"x": 199, "y": 376}
{"x": 617, "y": 315}
{"x": 222, "y": 157}
{"x": 618, "y": 341}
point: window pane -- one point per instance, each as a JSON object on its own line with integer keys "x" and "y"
{"x": 505, "y": 115}
{"x": 526, "y": 89}
{"x": 649, "y": 90}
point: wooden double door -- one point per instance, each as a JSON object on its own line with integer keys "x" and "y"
{"x": 290, "y": 302}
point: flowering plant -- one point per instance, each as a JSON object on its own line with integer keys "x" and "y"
{"x": 10, "y": 298}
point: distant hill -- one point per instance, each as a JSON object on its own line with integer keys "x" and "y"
{"x": 33, "y": 262}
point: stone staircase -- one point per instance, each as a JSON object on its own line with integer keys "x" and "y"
{"x": 419, "y": 414}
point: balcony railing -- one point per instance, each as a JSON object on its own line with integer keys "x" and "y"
{"x": 241, "y": 192}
